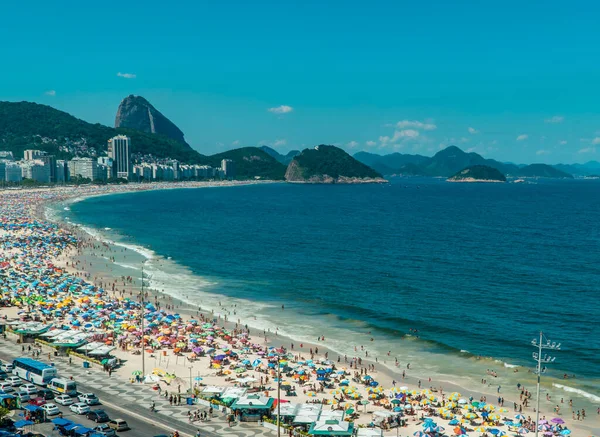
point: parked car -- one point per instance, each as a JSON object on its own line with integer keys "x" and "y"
{"x": 3, "y": 375}
{"x": 6, "y": 387}
{"x": 22, "y": 396}
{"x": 15, "y": 381}
{"x": 46, "y": 394}
{"x": 64, "y": 400}
{"x": 38, "y": 402}
{"x": 88, "y": 399}
{"x": 79, "y": 408}
{"x": 98, "y": 416}
{"x": 50, "y": 409}
{"x": 118, "y": 425}
{"x": 105, "y": 430}
{"x": 29, "y": 389}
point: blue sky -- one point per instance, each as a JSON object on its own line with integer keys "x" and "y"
{"x": 515, "y": 81}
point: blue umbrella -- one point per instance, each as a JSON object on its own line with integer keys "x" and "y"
{"x": 565, "y": 432}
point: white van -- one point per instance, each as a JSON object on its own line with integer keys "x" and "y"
{"x": 63, "y": 386}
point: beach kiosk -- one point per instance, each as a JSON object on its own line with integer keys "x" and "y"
{"x": 8, "y": 401}
{"x": 251, "y": 408}
{"x": 332, "y": 427}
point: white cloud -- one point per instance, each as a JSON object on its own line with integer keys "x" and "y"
{"x": 522, "y": 137}
{"x": 371, "y": 143}
{"x": 51, "y": 93}
{"x": 352, "y": 144}
{"x": 555, "y": 119}
{"x": 543, "y": 152}
{"x": 587, "y": 150}
{"x": 596, "y": 140}
{"x": 281, "y": 142}
{"x": 236, "y": 143}
{"x": 126, "y": 75}
{"x": 471, "y": 149}
{"x": 473, "y": 131}
{"x": 414, "y": 124}
{"x": 406, "y": 133}
{"x": 283, "y": 109}
{"x": 563, "y": 142}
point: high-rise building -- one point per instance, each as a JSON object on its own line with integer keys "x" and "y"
{"x": 119, "y": 151}
{"x": 50, "y": 162}
{"x": 30, "y": 155}
{"x": 62, "y": 171}
{"x": 35, "y": 170}
{"x": 108, "y": 162}
{"x": 228, "y": 167}
{"x": 6, "y": 155}
{"x": 13, "y": 172}
{"x": 83, "y": 168}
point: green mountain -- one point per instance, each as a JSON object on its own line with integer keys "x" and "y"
{"x": 444, "y": 163}
{"x": 478, "y": 173}
{"x": 542, "y": 171}
{"x": 284, "y": 159}
{"x": 250, "y": 162}
{"x": 25, "y": 125}
{"x": 328, "y": 164}
{"x": 135, "y": 112}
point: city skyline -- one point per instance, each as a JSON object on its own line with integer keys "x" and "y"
{"x": 393, "y": 77}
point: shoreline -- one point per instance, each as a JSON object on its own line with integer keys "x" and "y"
{"x": 383, "y": 373}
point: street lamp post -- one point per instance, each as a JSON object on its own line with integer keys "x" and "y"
{"x": 278, "y": 397}
{"x": 191, "y": 387}
{"x": 545, "y": 359}
{"x": 142, "y": 327}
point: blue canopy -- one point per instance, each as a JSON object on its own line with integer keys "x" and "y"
{"x": 22, "y": 423}
{"x": 30, "y": 407}
{"x": 61, "y": 422}
{"x": 72, "y": 426}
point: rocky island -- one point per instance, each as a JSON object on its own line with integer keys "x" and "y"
{"x": 478, "y": 173}
{"x": 329, "y": 165}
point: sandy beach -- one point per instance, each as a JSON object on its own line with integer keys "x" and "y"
{"x": 200, "y": 348}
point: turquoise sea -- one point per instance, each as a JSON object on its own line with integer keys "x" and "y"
{"x": 477, "y": 269}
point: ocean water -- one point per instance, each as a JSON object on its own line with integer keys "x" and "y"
{"x": 478, "y": 269}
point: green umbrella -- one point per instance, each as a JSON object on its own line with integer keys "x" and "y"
{"x": 349, "y": 411}
{"x": 136, "y": 372}
{"x": 365, "y": 402}
{"x": 395, "y": 401}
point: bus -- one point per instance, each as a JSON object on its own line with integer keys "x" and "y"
{"x": 63, "y": 386}
{"x": 34, "y": 371}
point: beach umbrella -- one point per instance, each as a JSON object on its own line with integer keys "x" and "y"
{"x": 557, "y": 420}
{"x": 420, "y": 434}
{"x": 565, "y": 432}
{"x": 350, "y": 411}
{"x": 136, "y": 372}
{"x": 480, "y": 429}
{"x": 396, "y": 401}
{"x": 519, "y": 417}
{"x": 523, "y": 431}
{"x": 459, "y": 431}
{"x": 311, "y": 394}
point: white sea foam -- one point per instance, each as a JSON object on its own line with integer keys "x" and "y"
{"x": 107, "y": 229}
{"x": 580, "y": 392}
{"x": 464, "y": 351}
{"x": 511, "y": 366}
{"x": 127, "y": 266}
{"x": 66, "y": 208}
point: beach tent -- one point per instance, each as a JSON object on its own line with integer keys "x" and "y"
{"x": 332, "y": 415}
{"x": 234, "y": 392}
{"x": 212, "y": 390}
{"x": 21, "y": 423}
{"x": 369, "y": 432}
{"x": 332, "y": 428}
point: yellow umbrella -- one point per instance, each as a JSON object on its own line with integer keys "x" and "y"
{"x": 480, "y": 429}
{"x": 312, "y": 394}
{"x": 470, "y": 416}
{"x": 454, "y": 396}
